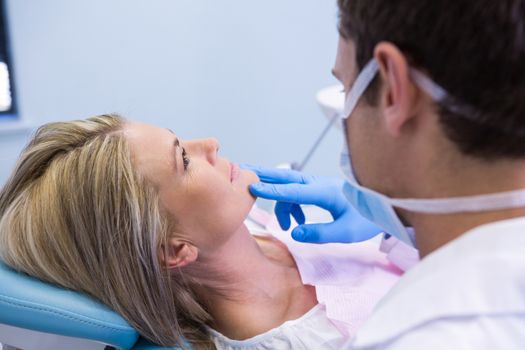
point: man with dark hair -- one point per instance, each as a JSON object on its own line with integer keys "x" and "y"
{"x": 435, "y": 125}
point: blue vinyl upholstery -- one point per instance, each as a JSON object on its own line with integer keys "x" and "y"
{"x": 28, "y": 303}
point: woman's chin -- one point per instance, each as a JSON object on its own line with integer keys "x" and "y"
{"x": 246, "y": 178}
{"x": 252, "y": 177}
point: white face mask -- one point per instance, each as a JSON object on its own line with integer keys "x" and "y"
{"x": 379, "y": 208}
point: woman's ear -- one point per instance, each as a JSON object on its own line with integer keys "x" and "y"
{"x": 399, "y": 97}
{"x": 178, "y": 253}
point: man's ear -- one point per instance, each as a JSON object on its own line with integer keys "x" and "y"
{"x": 178, "y": 253}
{"x": 399, "y": 95}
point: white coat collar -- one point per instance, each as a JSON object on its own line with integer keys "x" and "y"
{"x": 482, "y": 272}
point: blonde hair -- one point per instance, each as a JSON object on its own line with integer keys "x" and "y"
{"x": 75, "y": 213}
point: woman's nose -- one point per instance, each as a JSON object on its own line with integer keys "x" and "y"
{"x": 211, "y": 148}
{"x": 205, "y": 148}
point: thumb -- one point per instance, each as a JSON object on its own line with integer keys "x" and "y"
{"x": 321, "y": 233}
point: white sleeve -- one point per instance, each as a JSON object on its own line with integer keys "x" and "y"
{"x": 479, "y": 332}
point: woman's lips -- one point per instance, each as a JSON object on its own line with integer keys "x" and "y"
{"x": 234, "y": 172}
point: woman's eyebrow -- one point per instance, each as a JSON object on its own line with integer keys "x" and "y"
{"x": 176, "y": 145}
{"x": 176, "y": 142}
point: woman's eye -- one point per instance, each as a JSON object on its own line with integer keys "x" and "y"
{"x": 185, "y": 159}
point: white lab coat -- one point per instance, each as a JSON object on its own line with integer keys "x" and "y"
{"x": 469, "y": 294}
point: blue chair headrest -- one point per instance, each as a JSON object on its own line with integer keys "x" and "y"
{"x": 28, "y": 303}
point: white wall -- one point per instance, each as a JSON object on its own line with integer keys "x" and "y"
{"x": 245, "y": 72}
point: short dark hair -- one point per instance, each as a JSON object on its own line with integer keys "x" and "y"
{"x": 473, "y": 49}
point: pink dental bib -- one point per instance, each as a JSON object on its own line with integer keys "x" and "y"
{"x": 349, "y": 279}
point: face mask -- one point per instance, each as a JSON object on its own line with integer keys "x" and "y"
{"x": 379, "y": 208}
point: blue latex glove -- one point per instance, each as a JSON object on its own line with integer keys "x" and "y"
{"x": 291, "y": 188}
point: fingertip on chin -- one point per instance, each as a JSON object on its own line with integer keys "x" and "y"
{"x": 255, "y": 188}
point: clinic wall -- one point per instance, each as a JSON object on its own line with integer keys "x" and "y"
{"x": 245, "y": 72}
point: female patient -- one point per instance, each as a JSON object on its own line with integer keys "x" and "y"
{"x": 152, "y": 226}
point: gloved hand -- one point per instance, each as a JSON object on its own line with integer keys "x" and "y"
{"x": 291, "y": 188}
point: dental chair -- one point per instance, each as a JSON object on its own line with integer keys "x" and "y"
{"x": 36, "y": 315}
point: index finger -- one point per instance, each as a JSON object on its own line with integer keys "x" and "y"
{"x": 290, "y": 193}
{"x": 276, "y": 176}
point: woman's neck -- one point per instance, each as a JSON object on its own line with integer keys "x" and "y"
{"x": 263, "y": 289}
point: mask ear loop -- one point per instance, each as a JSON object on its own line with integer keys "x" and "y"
{"x": 435, "y": 91}
{"x": 360, "y": 85}
{"x": 368, "y": 74}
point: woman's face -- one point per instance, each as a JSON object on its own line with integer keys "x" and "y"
{"x": 206, "y": 195}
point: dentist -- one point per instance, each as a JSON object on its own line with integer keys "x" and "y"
{"x": 435, "y": 127}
